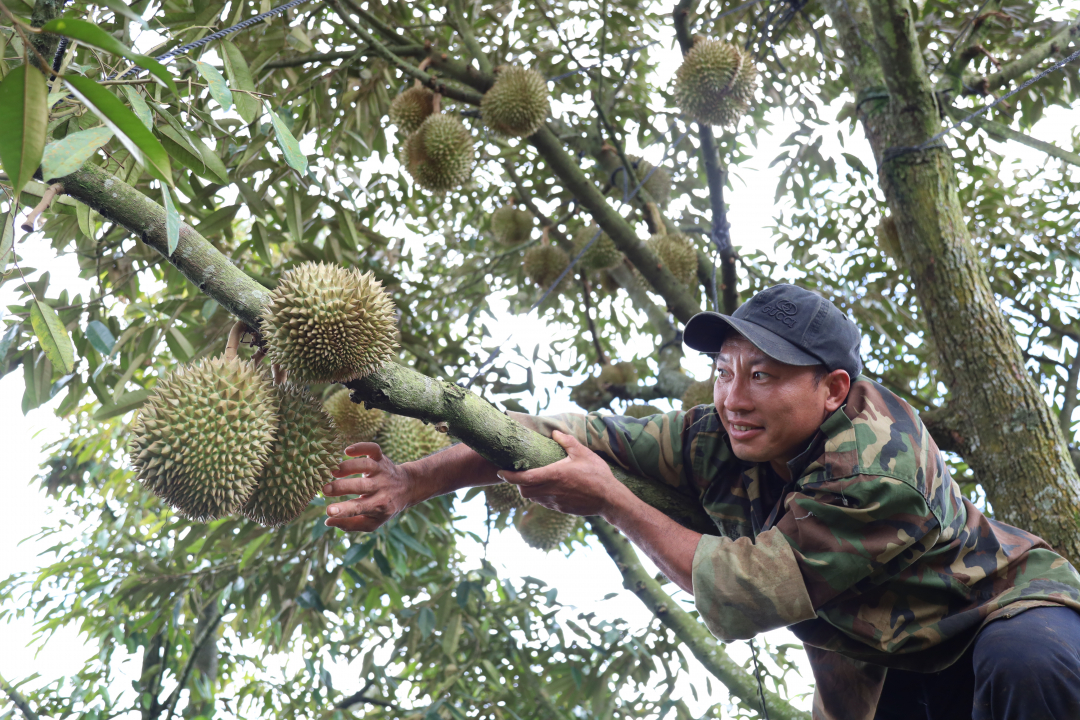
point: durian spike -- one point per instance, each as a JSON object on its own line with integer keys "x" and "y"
{"x": 236, "y": 336}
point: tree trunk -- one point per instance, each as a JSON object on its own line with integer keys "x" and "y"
{"x": 1006, "y": 430}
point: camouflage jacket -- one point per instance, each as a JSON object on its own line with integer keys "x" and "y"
{"x": 871, "y": 555}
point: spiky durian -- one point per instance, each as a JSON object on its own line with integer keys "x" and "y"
{"x": 544, "y": 263}
{"x": 601, "y": 255}
{"x": 888, "y": 238}
{"x": 716, "y": 82}
{"x": 439, "y": 155}
{"x": 699, "y": 393}
{"x": 590, "y": 394}
{"x": 656, "y": 182}
{"x": 622, "y": 373}
{"x": 411, "y": 108}
{"x": 511, "y": 225}
{"x": 204, "y": 435}
{"x": 678, "y": 252}
{"x": 404, "y": 439}
{"x": 517, "y": 104}
{"x": 504, "y": 497}
{"x": 640, "y": 411}
{"x": 355, "y": 423}
{"x": 543, "y": 528}
{"x": 303, "y": 454}
{"x": 325, "y": 323}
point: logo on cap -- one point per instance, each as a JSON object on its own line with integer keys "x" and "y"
{"x": 782, "y": 311}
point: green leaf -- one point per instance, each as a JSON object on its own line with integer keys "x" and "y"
{"x": 129, "y": 130}
{"x": 219, "y": 90}
{"x": 124, "y": 403}
{"x": 426, "y": 622}
{"x": 172, "y": 220}
{"x": 182, "y": 343}
{"x": 247, "y": 106}
{"x": 142, "y": 111}
{"x": 65, "y": 156}
{"x": 100, "y": 337}
{"x": 8, "y": 339}
{"x": 24, "y": 116}
{"x": 52, "y": 336}
{"x": 296, "y": 159}
{"x": 259, "y": 241}
{"x": 120, "y": 8}
{"x": 84, "y": 215}
{"x": 90, "y": 34}
{"x": 7, "y": 240}
{"x": 193, "y": 154}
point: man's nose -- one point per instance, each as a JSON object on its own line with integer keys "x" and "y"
{"x": 738, "y": 395}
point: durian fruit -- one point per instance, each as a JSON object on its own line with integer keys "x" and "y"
{"x": 657, "y": 184}
{"x": 699, "y": 393}
{"x": 440, "y": 154}
{"x": 544, "y": 263}
{"x": 640, "y": 411}
{"x": 678, "y": 252}
{"x": 411, "y": 108}
{"x": 517, "y": 104}
{"x": 404, "y": 439}
{"x": 601, "y": 255}
{"x": 504, "y": 497}
{"x": 888, "y": 238}
{"x": 622, "y": 373}
{"x": 204, "y": 435}
{"x": 716, "y": 82}
{"x": 301, "y": 459}
{"x": 511, "y": 225}
{"x": 545, "y": 529}
{"x": 590, "y": 394}
{"x": 355, "y": 423}
{"x": 325, "y": 323}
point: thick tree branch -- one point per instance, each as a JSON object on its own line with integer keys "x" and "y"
{"x": 462, "y": 25}
{"x": 1069, "y": 391}
{"x": 393, "y": 388}
{"x": 19, "y": 701}
{"x": 689, "y": 630}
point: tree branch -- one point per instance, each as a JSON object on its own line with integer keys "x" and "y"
{"x": 1001, "y": 131}
{"x": 689, "y": 630}
{"x": 18, "y": 700}
{"x": 205, "y": 633}
{"x": 1068, "y": 404}
{"x": 394, "y": 388}
{"x": 1010, "y": 71}
{"x": 463, "y": 28}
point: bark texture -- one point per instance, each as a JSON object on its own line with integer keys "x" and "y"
{"x": 1004, "y": 427}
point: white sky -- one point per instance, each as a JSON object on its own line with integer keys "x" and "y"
{"x": 582, "y": 579}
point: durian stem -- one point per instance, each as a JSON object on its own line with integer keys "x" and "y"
{"x": 236, "y": 335}
{"x": 436, "y": 104}
{"x": 689, "y": 630}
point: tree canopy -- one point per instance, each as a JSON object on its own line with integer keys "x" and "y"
{"x": 185, "y": 192}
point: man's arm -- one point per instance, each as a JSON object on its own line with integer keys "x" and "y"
{"x": 582, "y": 484}
{"x": 386, "y": 489}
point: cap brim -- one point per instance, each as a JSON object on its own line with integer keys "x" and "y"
{"x": 707, "y": 331}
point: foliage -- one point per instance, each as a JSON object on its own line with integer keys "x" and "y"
{"x": 274, "y": 145}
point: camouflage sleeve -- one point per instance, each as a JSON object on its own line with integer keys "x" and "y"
{"x": 650, "y": 447}
{"x": 834, "y": 536}
{"x": 743, "y": 586}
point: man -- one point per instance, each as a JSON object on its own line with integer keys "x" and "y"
{"x": 838, "y": 518}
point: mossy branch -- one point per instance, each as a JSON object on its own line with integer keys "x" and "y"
{"x": 688, "y": 629}
{"x": 1054, "y": 45}
{"x": 393, "y": 388}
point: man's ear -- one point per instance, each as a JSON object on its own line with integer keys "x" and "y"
{"x": 837, "y": 384}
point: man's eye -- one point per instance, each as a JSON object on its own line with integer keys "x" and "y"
{"x": 758, "y": 375}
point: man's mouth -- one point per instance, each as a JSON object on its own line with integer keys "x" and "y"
{"x": 743, "y": 431}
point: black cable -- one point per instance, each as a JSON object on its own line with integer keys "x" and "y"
{"x": 58, "y": 58}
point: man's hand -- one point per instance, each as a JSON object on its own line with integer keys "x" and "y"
{"x": 579, "y": 484}
{"x": 384, "y": 489}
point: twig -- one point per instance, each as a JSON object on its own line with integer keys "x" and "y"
{"x": 18, "y": 699}
{"x": 358, "y": 697}
{"x": 46, "y": 200}
{"x": 586, "y": 294}
{"x": 200, "y": 641}
{"x": 1069, "y": 400}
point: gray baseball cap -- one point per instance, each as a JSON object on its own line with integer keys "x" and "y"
{"x": 788, "y": 323}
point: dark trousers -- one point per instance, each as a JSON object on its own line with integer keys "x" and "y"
{"x": 1026, "y": 667}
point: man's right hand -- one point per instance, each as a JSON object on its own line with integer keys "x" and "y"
{"x": 384, "y": 489}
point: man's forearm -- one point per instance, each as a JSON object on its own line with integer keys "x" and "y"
{"x": 454, "y": 468}
{"x": 667, "y": 543}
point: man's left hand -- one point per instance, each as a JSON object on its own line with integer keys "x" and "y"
{"x": 579, "y": 484}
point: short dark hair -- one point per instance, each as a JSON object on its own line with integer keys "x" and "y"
{"x": 820, "y": 372}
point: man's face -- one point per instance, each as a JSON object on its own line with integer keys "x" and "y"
{"x": 769, "y": 409}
